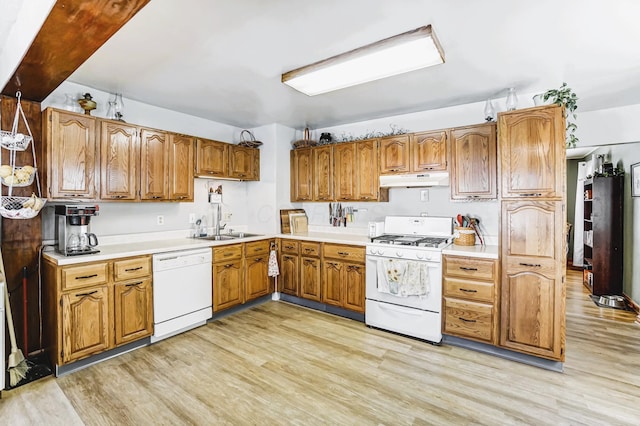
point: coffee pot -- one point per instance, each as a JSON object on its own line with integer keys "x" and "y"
{"x": 72, "y": 230}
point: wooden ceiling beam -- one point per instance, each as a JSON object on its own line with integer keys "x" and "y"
{"x": 72, "y": 32}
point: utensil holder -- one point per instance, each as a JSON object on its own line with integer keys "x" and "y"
{"x": 464, "y": 236}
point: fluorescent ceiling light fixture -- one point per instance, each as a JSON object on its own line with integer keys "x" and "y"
{"x": 395, "y": 55}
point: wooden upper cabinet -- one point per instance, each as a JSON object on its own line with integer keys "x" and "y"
{"x": 212, "y": 158}
{"x": 429, "y": 151}
{"x": 154, "y": 165}
{"x": 322, "y": 173}
{"x": 532, "y": 152}
{"x": 473, "y": 162}
{"x": 119, "y": 150}
{"x": 367, "y": 179}
{"x": 395, "y": 155}
{"x": 345, "y": 175}
{"x": 244, "y": 162}
{"x": 70, "y": 155}
{"x": 181, "y": 162}
{"x": 302, "y": 174}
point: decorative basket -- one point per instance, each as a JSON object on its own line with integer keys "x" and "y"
{"x": 305, "y": 141}
{"x": 14, "y": 141}
{"x": 247, "y": 139}
{"x": 21, "y": 207}
{"x": 20, "y": 177}
{"x": 464, "y": 236}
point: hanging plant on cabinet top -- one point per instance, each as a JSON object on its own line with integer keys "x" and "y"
{"x": 564, "y": 96}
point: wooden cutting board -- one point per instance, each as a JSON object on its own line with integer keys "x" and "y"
{"x": 285, "y": 226}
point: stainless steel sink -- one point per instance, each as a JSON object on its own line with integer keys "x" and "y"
{"x": 226, "y": 237}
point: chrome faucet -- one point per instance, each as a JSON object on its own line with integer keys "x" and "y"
{"x": 217, "y": 211}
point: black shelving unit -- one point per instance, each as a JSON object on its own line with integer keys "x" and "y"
{"x": 603, "y": 234}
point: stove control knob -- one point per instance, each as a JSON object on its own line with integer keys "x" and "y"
{"x": 420, "y": 256}
{"x": 399, "y": 254}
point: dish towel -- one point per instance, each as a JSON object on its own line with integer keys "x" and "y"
{"x": 403, "y": 278}
{"x": 274, "y": 271}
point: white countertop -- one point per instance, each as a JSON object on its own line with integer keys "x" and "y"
{"x": 486, "y": 252}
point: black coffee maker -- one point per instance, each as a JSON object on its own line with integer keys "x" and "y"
{"x": 72, "y": 230}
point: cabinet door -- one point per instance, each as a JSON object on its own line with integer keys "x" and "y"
{"x": 344, "y": 160}
{"x": 322, "y": 173}
{"x": 429, "y": 151}
{"x": 395, "y": 155}
{"x": 244, "y": 163}
{"x": 212, "y": 158}
{"x": 154, "y": 165}
{"x": 256, "y": 277}
{"x": 532, "y": 287}
{"x": 288, "y": 279}
{"x": 71, "y": 149}
{"x": 118, "y": 161}
{"x": 86, "y": 323}
{"x": 301, "y": 175}
{"x": 367, "y": 170}
{"x": 332, "y": 276}
{"x": 227, "y": 284}
{"x": 532, "y": 152}
{"x": 354, "y": 286}
{"x": 181, "y": 162}
{"x": 473, "y": 162}
{"x": 310, "y": 278}
{"x": 133, "y": 310}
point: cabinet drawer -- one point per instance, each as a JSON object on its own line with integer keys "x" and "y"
{"x": 468, "y": 319}
{"x": 470, "y": 267}
{"x": 289, "y": 246}
{"x": 227, "y": 252}
{"x": 473, "y": 290}
{"x": 339, "y": 251}
{"x": 131, "y": 268}
{"x": 84, "y": 275}
{"x": 309, "y": 249}
{"x": 256, "y": 247}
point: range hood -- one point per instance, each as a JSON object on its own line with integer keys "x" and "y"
{"x": 415, "y": 180}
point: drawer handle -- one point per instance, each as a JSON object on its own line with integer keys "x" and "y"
{"x": 466, "y": 290}
{"x": 464, "y": 268}
{"x": 257, "y": 249}
{"x": 228, "y": 254}
{"x": 343, "y": 253}
{"x": 133, "y": 269}
{"x": 133, "y": 284}
{"x": 84, "y": 277}
{"x": 156, "y": 197}
{"x": 309, "y": 262}
{"x": 532, "y": 195}
{"x": 228, "y": 265}
{"x": 289, "y": 247}
{"x": 466, "y": 320}
{"x": 532, "y": 265}
{"x": 308, "y": 250}
{"x": 87, "y": 294}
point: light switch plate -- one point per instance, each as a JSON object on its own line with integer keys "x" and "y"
{"x": 424, "y": 195}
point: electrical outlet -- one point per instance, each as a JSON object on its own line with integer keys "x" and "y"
{"x": 424, "y": 195}
{"x": 160, "y": 220}
{"x": 192, "y": 218}
{"x": 227, "y": 216}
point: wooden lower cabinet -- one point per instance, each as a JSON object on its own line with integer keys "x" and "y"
{"x": 133, "y": 305}
{"x": 227, "y": 277}
{"x": 289, "y": 267}
{"x": 470, "y": 290}
{"x": 93, "y": 307}
{"x": 343, "y": 276}
{"x": 256, "y": 270}
{"x": 86, "y": 323}
{"x": 310, "y": 278}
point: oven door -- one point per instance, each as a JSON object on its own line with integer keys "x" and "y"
{"x": 431, "y": 302}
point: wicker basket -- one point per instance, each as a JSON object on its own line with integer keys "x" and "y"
{"x": 247, "y": 139}
{"x": 464, "y": 236}
{"x": 305, "y": 141}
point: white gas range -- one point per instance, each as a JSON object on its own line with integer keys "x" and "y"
{"x": 404, "y": 276}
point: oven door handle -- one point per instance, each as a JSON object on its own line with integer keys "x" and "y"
{"x": 400, "y": 309}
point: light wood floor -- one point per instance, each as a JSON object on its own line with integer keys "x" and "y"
{"x": 282, "y": 364}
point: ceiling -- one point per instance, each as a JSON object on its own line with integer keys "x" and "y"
{"x": 222, "y": 59}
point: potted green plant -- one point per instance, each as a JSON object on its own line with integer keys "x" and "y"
{"x": 565, "y": 96}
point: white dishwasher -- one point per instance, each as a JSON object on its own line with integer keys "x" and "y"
{"x": 182, "y": 291}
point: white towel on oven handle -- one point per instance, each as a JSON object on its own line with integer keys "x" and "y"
{"x": 403, "y": 278}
